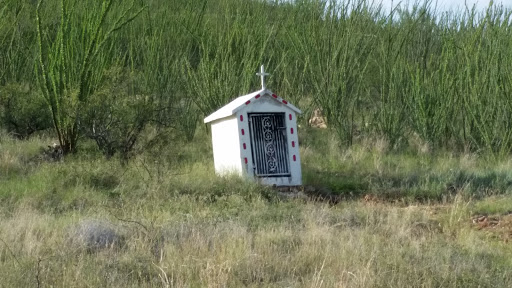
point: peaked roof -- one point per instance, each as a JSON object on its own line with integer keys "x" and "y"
{"x": 238, "y": 103}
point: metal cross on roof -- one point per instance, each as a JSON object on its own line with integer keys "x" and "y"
{"x": 262, "y": 74}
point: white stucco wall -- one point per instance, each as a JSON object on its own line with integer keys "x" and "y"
{"x": 268, "y": 105}
{"x": 226, "y": 148}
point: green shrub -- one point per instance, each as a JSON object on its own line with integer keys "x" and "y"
{"x": 22, "y": 111}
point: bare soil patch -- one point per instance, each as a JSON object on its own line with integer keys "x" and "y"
{"x": 500, "y": 226}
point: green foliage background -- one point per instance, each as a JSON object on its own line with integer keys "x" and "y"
{"x": 442, "y": 77}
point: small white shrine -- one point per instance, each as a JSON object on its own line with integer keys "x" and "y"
{"x": 256, "y": 135}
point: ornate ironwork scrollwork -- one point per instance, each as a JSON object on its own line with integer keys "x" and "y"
{"x": 270, "y": 150}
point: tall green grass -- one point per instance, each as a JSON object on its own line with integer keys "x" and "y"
{"x": 443, "y": 77}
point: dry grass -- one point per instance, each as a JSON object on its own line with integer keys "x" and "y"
{"x": 183, "y": 227}
{"x": 350, "y": 245}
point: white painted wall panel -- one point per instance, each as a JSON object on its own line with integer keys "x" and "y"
{"x": 226, "y": 147}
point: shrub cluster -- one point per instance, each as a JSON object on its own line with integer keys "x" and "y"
{"x": 408, "y": 73}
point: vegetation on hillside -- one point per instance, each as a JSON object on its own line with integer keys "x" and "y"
{"x": 410, "y": 186}
{"x": 442, "y": 77}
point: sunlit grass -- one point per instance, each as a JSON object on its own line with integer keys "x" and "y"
{"x": 183, "y": 226}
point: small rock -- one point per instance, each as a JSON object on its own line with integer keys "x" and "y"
{"x": 95, "y": 235}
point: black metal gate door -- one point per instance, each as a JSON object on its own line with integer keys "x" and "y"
{"x": 269, "y": 145}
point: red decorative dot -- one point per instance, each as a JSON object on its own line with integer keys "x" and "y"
{"x": 291, "y": 130}
{"x": 274, "y": 95}
{"x": 294, "y": 158}
{"x": 245, "y": 146}
{"x": 241, "y": 117}
{"x": 245, "y": 159}
{"x": 285, "y": 102}
{"x": 248, "y": 102}
{"x": 243, "y": 132}
{"x": 293, "y": 143}
{"x": 290, "y": 116}
{"x": 257, "y": 96}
